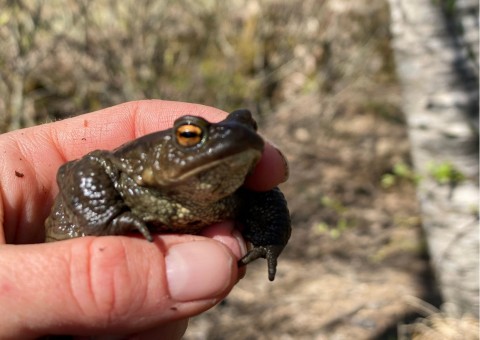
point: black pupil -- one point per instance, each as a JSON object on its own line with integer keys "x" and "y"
{"x": 189, "y": 134}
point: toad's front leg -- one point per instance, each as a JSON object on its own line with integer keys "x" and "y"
{"x": 88, "y": 202}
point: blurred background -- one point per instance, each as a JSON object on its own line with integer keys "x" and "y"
{"x": 322, "y": 80}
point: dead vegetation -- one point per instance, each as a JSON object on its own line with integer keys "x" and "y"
{"x": 439, "y": 324}
{"x": 60, "y": 60}
{"x": 319, "y": 75}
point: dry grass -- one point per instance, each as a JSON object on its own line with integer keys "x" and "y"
{"x": 442, "y": 326}
{"x": 62, "y": 58}
{"x": 438, "y": 324}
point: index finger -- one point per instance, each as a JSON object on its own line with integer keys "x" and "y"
{"x": 31, "y": 157}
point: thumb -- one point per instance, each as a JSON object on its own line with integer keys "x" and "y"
{"x": 110, "y": 285}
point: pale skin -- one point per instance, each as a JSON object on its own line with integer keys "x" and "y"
{"x": 116, "y": 285}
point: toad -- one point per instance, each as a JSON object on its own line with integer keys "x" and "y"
{"x": 178, "y": 180}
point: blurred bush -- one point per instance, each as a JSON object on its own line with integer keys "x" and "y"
{"x": 62, "y": 58}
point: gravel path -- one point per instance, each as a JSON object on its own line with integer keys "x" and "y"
{"x": 439, "y": 77}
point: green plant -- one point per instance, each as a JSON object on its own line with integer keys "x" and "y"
{"x": 400, "y": 171}
{"x": 445, "y": 173}
{"x": 343, "y": 223}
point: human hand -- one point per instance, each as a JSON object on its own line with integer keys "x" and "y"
{"x": 106, "y": 285}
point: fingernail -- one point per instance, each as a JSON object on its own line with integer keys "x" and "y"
{"x": 285, "y": 162}
{"x": 237, "y": 245}
{"x": 198, "y": 270}
{"x": 241, "y": 242}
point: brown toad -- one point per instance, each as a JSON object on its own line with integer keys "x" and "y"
{"x": 177, "y": 180}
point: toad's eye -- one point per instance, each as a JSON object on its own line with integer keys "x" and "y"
{"x": 189, "y": 135}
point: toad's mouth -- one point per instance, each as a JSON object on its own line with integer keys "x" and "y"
{"x": 234, "y": 165}
{"x": 219, "y": 172}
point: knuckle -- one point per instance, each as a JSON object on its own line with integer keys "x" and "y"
{"x": 102, "y": 284}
